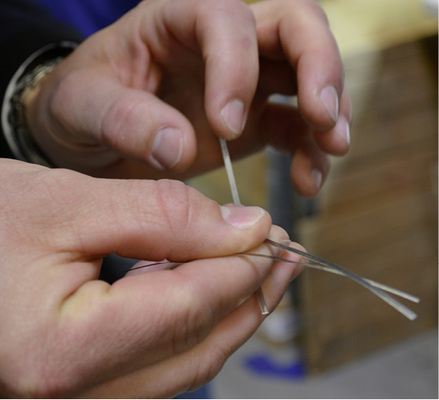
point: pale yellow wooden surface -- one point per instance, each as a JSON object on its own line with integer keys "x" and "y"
{"x": 370, "y": 25}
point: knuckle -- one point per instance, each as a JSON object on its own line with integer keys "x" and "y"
{"x": 195, "y": 317}
{"x": 196, "y": 314}
{"x": 214, "y": 360}
{"x": 121, "y": 117}
{"x": 176, "y": 203}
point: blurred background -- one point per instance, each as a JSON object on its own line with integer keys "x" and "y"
{"x": 376, "y": 215}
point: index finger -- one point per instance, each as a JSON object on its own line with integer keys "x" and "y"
{"x": 225, "y": 33}
{"x": 299, "y": 31}
{"x": 159, "y": 314}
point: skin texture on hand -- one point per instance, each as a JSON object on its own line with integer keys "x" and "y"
{"x": 148, "y": 96}
{"x": 66, "y": 333}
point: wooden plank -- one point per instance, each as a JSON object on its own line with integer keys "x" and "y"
{"x": 377, "y": 214}
{"x": 356, "y": 231}
{"x": 410, "y": 170}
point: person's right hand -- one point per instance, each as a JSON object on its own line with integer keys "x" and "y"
{"x": 65, "y": 333}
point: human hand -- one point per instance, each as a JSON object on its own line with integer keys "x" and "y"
{"x": 299, "y": 56}
{"x": 65, "y": 333}
{"x": 148, "y": 96}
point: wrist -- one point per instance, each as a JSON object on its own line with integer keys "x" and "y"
{"x": 21, "y": 91}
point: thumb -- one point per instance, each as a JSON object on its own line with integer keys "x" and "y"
{"x": 63, "y": 222}
{"x": 149, "y": 220}
{"x": 117, "y": 120}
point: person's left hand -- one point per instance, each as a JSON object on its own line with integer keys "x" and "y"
{"x": 149, "y": 95}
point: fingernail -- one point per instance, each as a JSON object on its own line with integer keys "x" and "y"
{"x": 329, "y": 98}
{"x": 233, "y": 115}
{"x": 242, "y": 217}
{"x": 317, "y": 177}
{"x": 343, "y": 130}
{"x": 167, "y": 148}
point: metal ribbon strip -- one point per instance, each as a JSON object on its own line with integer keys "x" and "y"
{"x": 376, "y": 288}
{"x": 317, "y": 262}
{"x": 237, "y": 202}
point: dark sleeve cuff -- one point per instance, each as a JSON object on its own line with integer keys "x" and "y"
{"x": 24, "y": 30}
